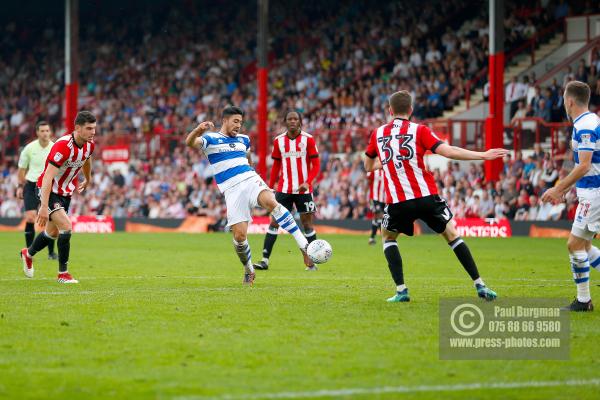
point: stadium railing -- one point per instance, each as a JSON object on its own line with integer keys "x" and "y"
{"x": 528, "y": 48}
{"x": 582, "y": 28}
{"x": 573, "y": 58}
{"x": 541, "y": 130}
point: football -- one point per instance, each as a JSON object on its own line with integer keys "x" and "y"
{"x": 319, "y": 251}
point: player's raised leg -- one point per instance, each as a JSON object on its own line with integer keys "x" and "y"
{"x": 462, "y": 252}
{"x": 580, "y": 266}
{"x": 286, "y": 221}
{"x": 242, "y": 249}
{"x": 394, "y": 260}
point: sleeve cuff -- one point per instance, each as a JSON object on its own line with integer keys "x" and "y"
{"x": 314, "y": 156}
{"x": 53, "y": 163}
{"x": 276, "y": 158}
{"x": 585, "y": 149}
{"x": 435, "y": 146}
{"x": 370, "y": 155}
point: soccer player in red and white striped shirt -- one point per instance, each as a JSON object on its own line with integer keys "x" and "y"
{"x": 411, "y": 192}
{"x": 377, "y": 196}
{"x": 69, "y": 155}
{"x": 295, "y": 164}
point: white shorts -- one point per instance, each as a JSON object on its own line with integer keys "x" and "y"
{"x": 242, "y": 198}
{"x": 587, "y": 219}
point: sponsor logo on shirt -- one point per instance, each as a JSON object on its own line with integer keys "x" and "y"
{"x": 75, "y": 164}
{"x": 290, "y": 154}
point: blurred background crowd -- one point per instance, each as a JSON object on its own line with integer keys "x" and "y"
{"x": 153, "y": 79}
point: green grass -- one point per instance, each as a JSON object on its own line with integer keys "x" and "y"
{"x": 165, "y": 315}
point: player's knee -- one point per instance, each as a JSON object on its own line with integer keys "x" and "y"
{"x": 575, "y": 244}
{"x": 66, "y": 226}
{"x": 239, "y": 236}
{"x": 52, "y": 232}
{"x": 450, "y": 236}
{"x": 30, "y": 218}
{"x": 271, "y": 204}
{"x": 274, "y": 206}
{"x": 387, "y": 235}
{"x": 450, "y": 233}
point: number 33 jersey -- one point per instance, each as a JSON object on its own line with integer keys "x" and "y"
{"x": 400, "y": 146}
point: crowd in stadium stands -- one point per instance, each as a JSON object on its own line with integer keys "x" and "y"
{"x": 181, "y": 184}
{"x": 527, "y": 99}
{"x": 324, "y": 64}
{"x": 434, "y": 62}
{"x": 335, "y": 63}
{"x": 160, "y": 72}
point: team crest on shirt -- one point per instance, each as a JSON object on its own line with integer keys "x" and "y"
{"x": 302, "y": 145}
{"x": 586, "y": 139}
{"x": 58, "y": 157}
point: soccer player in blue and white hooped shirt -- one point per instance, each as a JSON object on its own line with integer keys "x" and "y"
{"x": 228, "y": 153}
{"x": 586, "y": 178}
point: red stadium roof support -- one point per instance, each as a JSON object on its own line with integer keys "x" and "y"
{"x": 494, "y": 124}
{"x": 71, "y": 62}
{"x": 262, "y": 79}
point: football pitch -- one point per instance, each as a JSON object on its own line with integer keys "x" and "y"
{"x": 165, "y": 316}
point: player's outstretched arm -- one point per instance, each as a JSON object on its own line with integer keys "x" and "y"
{"x": 555, "y": 195}
{"x": 458, "y": 153}
{"x": 193, "y": 139}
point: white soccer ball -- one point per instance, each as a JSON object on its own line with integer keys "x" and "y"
{"x": 319, "y": 251}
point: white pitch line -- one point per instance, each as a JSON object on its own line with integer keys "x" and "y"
{"x": 398, "y": 389}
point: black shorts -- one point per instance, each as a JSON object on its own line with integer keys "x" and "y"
{"x": 30, "y": 196}
{"x": 304, "y": 202}
{"x": 57, "y": 202}
{"x": 433, "y": 210}
{"x": 377, "y": 207}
